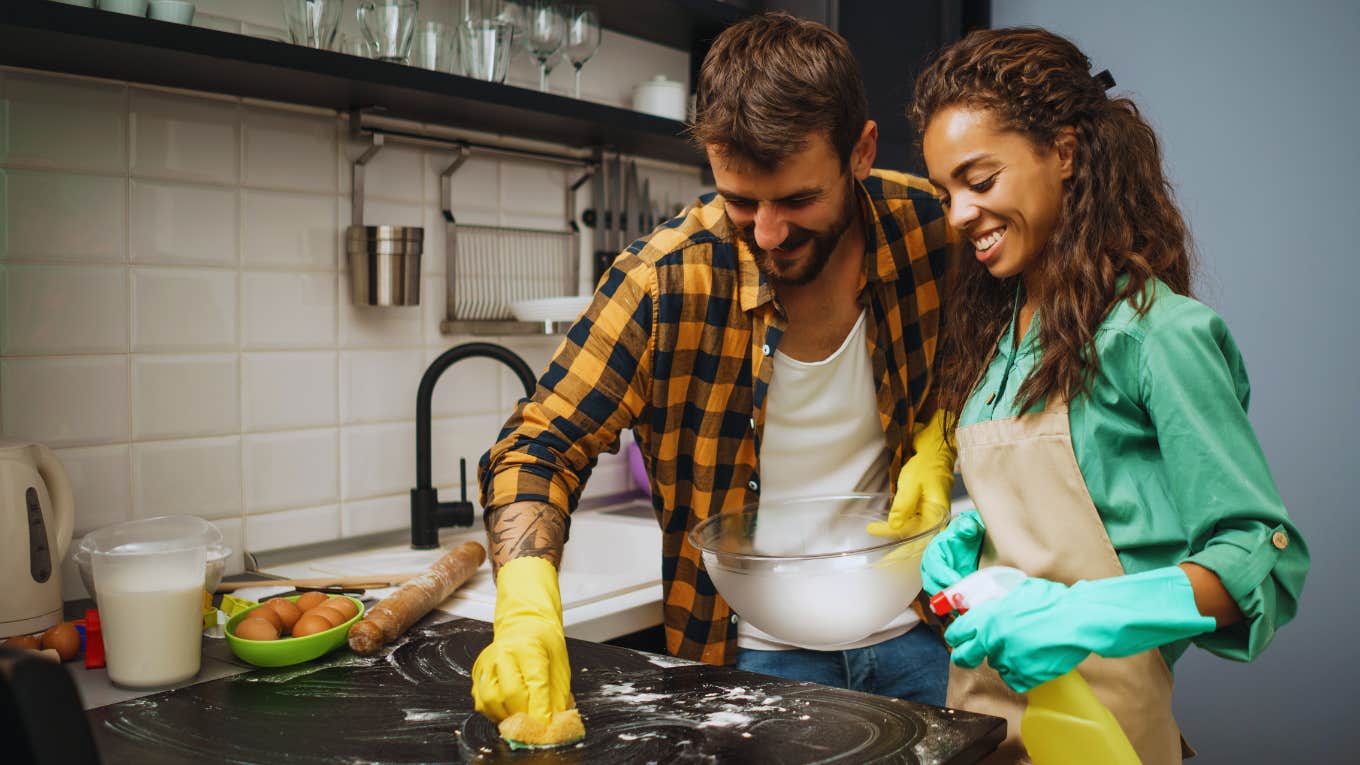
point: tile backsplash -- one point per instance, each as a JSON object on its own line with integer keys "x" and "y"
{"x": 174, "y": 305}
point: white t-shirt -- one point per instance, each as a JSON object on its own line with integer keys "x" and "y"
{"x": 823, "y": 436}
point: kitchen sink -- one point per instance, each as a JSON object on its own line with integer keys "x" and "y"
{"x": 610, "y": 577}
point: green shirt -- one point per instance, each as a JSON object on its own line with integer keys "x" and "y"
{"x": 1171, "y": 460}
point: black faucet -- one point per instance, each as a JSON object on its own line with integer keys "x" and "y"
{"x": 428, "y": 514}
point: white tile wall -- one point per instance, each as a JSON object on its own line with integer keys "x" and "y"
{"x": 51, "y": 216}
{"x": 176, "y": 313}
{"x": 182, "y": 224}
{"x": 183, "y": 309}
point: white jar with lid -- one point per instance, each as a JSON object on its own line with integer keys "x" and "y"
{"x": 661, "y": 97}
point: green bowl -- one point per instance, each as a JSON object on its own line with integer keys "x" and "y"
{"x": 287, "y": 651}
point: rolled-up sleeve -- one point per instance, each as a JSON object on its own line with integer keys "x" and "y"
{"x": 1196, "y": 391}
{"x": 591, "y": 390}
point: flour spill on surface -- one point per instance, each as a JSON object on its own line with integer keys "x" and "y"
{"x": 725, "y": 719}
{"x": 628, "y": 692}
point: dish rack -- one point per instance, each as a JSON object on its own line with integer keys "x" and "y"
{"x": 491, "y": 267}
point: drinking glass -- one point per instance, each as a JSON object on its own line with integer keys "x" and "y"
{"x": 583, "y": 38}
{"x": 434, "y": 47}
{"x": 508, "y": 11}
{"x": 388, "y": 26}
{"x": 545, "y": 31}
{"x": 484, "y": 48}
{"x": 312, "y": 22}
{"x": 350, "y": 46}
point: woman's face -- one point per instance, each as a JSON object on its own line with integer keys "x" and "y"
{"x": 1002, "y": 192}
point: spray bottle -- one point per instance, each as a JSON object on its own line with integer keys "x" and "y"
{"x": 1063, "y": 723}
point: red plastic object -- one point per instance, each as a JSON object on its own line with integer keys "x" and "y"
{"x": 941, "y": 604}
{"x": 94, "y": 640}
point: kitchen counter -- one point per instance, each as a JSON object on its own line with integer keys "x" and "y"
{"x": 411, "y": 703}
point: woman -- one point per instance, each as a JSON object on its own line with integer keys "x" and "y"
{"x": 1102, "y": 428}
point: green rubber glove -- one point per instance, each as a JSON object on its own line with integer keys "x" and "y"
{"x": 1044, "y": 629}
{"x": 953, "y": 553}
{"x": 926, "y": 479}
{"x": 525, "y": 669}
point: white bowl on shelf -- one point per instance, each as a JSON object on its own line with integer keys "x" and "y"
{"x": 566, "y": 308}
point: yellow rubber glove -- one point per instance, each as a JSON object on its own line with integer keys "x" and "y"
{"x": 926, "y": 479}
{"x": 525, "y": 669}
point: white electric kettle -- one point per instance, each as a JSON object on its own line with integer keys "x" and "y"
{"x": 37, "y": 516}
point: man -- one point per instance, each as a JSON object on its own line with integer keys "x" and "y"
{"x": 777, "y": 339}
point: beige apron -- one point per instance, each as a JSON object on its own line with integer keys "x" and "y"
{"x": 1022, "y": 474}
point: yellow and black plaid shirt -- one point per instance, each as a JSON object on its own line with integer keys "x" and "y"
{"x": 676, "y": 345}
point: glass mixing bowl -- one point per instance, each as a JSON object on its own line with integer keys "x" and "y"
{"x": 806, "y": 571}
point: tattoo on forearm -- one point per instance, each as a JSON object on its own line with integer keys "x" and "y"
{"x": 526, "y": 529}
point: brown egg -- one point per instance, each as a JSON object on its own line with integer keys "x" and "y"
{"x": 329, "y": 614}
{"x": 255, "y": 628}
{"x": 287, "y": 611}
{"x": 64, "y": 639}
{"x": 344, "y": 605}
{"x": 269, "y": 615}
{"x": 18, "y": 642}
{"x": 310, "y": 624}
{"x": 310, "y": 600}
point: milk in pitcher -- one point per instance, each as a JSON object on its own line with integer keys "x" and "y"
{"x": 152, "y": 628}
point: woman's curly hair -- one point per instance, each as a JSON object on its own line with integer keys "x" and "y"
{"x": 1118, "y": 211}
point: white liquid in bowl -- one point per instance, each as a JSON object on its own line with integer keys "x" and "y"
{"x": 820, "y": 604}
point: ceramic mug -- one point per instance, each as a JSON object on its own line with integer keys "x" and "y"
{"x": 129, "y": 7}
{"x": 661, "y": 97}
{"x": 173, "y": 11}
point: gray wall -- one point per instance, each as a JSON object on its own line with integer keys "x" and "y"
{"x": 1256, "y": 103}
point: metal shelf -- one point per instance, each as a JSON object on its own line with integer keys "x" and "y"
{"x": 491, "y": 327}
{"x": 44, "y": 35}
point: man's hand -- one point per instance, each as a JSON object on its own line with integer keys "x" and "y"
{"x": 927, "y": 479}
{"x": 525, "y": 669}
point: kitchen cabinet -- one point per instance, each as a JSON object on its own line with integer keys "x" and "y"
{"x": 44, "y": 35}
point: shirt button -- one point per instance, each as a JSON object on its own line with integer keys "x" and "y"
{"x": 753, "y": 423}
{"x": 1280, "y": 540}
{"x": 753, "y": 486}
{"x": 765, "y": 349}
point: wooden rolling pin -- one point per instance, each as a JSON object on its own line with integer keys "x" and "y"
{"x": 395, "y": 613}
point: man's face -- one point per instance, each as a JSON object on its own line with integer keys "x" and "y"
{"x": 792, "y": 217}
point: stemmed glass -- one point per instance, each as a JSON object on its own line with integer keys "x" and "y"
{"x": 583, "y": 38}
{"x": 545, "y": 31}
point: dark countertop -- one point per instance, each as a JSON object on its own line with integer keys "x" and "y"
{"x": 412, "y": 703}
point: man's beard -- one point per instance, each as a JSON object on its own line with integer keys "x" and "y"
{"x": 823, "y": 245}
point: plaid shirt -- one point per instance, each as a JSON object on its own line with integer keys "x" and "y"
{"x": 676, "y": 345}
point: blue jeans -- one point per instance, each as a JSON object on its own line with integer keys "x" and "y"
{"x": 913, "y": 666}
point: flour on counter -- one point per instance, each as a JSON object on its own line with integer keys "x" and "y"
{"x": 627, "y": 692}
{"x": 725, "y": 719}
{"x": 666, "y": 660}
{"x": 423, "y": 715}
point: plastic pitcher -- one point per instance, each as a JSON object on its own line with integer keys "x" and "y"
{"x": 149, "y": 574}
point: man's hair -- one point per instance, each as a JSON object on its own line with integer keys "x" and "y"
{"x": 769, "y": 82}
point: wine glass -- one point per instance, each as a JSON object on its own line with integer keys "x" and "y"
{"x": 545, "y": 31}
{"x": 583, "y": 38}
